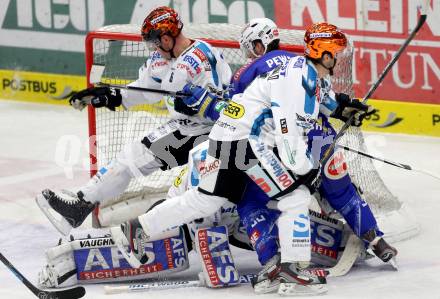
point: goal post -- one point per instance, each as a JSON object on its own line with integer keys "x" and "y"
{"x": 121, "y": 50}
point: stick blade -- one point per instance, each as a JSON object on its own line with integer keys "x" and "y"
{"x": 96, "y": 73}
{"x": 73, "y": 293}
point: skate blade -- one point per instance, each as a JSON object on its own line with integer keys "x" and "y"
{"x": 266, "y": 286}
{"x": 121, "y": 242}
{"x": 393, "y": 263}
{"x": 57, "y": 220}
{"x": 294, "y": 289}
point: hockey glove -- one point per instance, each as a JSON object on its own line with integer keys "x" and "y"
{"x": 347, "y": 107}
{"x": 200, "y": 102}
{"x": 98, "y": 97}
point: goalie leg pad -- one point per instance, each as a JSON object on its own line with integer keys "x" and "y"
{"x": 60, "y": 270}
{"x": 213, "y": 249}
{"x": 355, "y": 211}
{"x": 337, "y": 187}
{"x": 110, "y": 181}
{"x": 101, "y": 260}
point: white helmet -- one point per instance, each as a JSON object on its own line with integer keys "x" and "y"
{"x": 262, "y": 29}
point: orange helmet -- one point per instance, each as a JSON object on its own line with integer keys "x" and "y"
{"x": 323, "y": 37}
{"x": 161, "y": 21}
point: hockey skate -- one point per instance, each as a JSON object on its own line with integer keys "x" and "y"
{"x": 294, "y": 280}
{"x": 132, "y": 234}
{"x": 381, "y": 248}
{"x": 290, "y": 279}
{"x": 261, "y": 282}
{"x": 65, "y": 210}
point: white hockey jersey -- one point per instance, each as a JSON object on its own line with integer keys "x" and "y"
{"x": 200, "y": 64}
{"x": 277, "y": 109}
{"x": 189, "y": 178}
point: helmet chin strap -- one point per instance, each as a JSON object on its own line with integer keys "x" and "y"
{"x": 330, "y": 69}
{"x": 170, "y": 51}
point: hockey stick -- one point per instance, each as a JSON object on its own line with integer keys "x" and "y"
{"x": 396, "y": 164}
{"x": 164, "y": 285}
{"x": 95, "y": 78}
{"x": 73, "y": 293}
{"x": 347, "y": 124}
{"x": 352, "y": 251}
{"x": 160, "y": 285}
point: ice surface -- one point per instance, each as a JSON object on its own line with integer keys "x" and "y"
{"x": 34, "y": 155}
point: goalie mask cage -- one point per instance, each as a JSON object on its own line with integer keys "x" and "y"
{"x": 121, "y": 49}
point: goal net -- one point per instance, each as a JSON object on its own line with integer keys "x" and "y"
{"x": 121, "y": 50}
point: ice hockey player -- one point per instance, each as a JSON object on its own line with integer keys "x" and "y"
{"x": 177, "y": 61}
{"x": 336, "y": 187}
{"x": 261, "y": 134}
{"x": 91, "y": 257}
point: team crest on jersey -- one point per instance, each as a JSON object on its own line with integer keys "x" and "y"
{"x": 336, "y": 168}
{"x": 306, "y": 121}
{"x": 234, "y": 110}
{"x": 299, "y": 63}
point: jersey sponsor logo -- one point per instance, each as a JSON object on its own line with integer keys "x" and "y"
{"x": 185, "y": 67}
{"x": 336, "y": 167}
{"x": 220, "y": 105}
{"x": 206, "y": 168}
{"x": 159, "y": 63}
{"x": 262, "y": 184}
{"x": 255, "y": 235}
{"x": 283, "y": 124}
{"x": 230, "y": 210}
{"x": 273, "y": 166}
{"x": 199, "y": 53}
{"x": 225, "y": 125}
{"x": 234, "y": 110}
{"x": 241, "y": 70}
{"x": 277, "y": 60}
{"x": 193, "y": 63}
{"x": 262, "y": 180}
{"x": 301, "y": 226}
{"x": 178, "y": 180}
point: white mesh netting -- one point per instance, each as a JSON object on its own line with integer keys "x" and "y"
{"x": 122, "y": 59}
